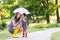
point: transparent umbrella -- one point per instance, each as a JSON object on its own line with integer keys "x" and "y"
{"x": 21, "y": 10}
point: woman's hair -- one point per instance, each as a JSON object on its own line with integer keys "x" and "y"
{"x": 16, "y": 20}
{"x": 24, "y": 14}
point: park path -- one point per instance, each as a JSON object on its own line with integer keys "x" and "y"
{"x": 39, "y": 35}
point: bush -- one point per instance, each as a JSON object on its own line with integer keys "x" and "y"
{"x": 46, "y": 26}
{"x": 52, "y": 25}
{"x": 2, "y": 25}
{"x": 38, "y": 26}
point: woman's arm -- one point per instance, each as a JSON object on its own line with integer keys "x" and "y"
{"x": 15, "y": 24}
{"x": 20, "y": 23}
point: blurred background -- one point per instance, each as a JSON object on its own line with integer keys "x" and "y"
{"x": 43, "y": 14}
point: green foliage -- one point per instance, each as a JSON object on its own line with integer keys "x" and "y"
{"x": 46, "y": 26}
{"x": 36, "y": 7}
{"x": 3, "y": 25}
{"x": 8, "y": 1}
{"x": 52, "y": 25}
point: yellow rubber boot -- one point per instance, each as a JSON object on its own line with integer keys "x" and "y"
{"x": 15, "y": 33}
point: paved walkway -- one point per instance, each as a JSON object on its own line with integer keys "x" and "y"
{"x": 39, "y": 35}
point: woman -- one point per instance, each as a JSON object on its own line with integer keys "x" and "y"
{"x": 24, "y": 24}
{"x": 15, "y": 24}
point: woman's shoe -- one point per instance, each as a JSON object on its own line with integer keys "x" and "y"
{"x": 14, "y": 36}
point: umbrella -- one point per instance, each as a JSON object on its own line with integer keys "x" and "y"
{"x": 21, "y": 10}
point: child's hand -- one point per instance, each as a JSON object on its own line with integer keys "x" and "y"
{"x": 24, "y": 20}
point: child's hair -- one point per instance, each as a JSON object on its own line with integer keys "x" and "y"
{"x": 16, "y": 20}
{"x": 24, "y": 14}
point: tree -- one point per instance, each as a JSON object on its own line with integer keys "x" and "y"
{"x": 39, "y": 8}
{"x": 57, "y": 11}
{"x": 36, "y": 7}
{"x": 47, "y": 13}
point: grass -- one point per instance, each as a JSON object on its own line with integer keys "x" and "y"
{"x": 36, "y": 27}
{"x": 4, "y": 35}
{"x": 56, "y": 36}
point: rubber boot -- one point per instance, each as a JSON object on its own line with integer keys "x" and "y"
{"x": 15, "y": 33}
{"x": 26, "y": 34}
{"x": 23, "y": 34}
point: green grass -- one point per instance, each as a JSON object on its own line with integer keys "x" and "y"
{"x": 56, "y": 36}
{"x": 4, "y": 35}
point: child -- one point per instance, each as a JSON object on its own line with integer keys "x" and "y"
{"x": 15, "y": 24}
{"x": 24, "y": 24}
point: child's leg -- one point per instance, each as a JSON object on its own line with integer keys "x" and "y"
{"x": 15, "y": 32}
{"x": 24, "y": 33}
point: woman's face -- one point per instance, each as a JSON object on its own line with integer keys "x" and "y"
{"x": 18, "y": 15}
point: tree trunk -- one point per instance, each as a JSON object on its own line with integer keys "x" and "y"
{"x": 33, "y": 20}
{"x": 47, "y": 15}
{"x": 57, "y": 11}
{"x": 37, "y": 19}
{"x": 47, "y": 18}
{"x": 1, "y": 18}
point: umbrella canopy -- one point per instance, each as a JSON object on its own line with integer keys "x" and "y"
{"x": 21, "y": 11}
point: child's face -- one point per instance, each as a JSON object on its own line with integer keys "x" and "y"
{"x": 22, "y": 16}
